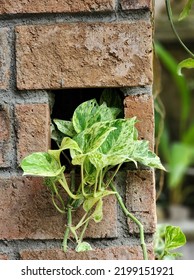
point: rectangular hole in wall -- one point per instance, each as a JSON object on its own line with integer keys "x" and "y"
{"x": 67, "y": 100}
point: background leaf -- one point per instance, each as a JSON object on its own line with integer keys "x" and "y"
{"x": 187, "y": 63}
{"x": 187, "y": 8}
{"x": 174, "y": 238}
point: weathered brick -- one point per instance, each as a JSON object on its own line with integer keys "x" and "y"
{"x": 142, "y": 107}
{"x": 33, "y": 128}
{"x": 140, "y": 199}
{"x": 133, "y": 252}
{"x": 26, "y": 211}
{"x": 133, "y": 5}
{"x": 4, "y": 58}
{"x": 55, "y": 6}
{"x": 3, "y": 256}
{"x": 5, "y": 135}
{"x": 84, "y": 55}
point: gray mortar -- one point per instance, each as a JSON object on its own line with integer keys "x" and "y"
{"x": 12, "y": 97}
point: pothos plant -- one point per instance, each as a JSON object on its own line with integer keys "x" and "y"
{"x": 96, "y": 144}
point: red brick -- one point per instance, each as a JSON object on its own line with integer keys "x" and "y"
{"x": 136, "y": 4}
{"x": 33, "y": 128}
{"x": 3, "y": 256}
{"x": 55, "y": 6}
{"x": 142, "y": 107}
{"x": 140, "y": 199}
{"x": 26, "y": 212}
{"x": 4, "y": 58}
{"x": 84, "y": 55}
{"x": 5, "y": 135}
{"x": 133, "y": 252}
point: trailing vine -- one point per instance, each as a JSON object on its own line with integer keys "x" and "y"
{"x": 97, "y": 143}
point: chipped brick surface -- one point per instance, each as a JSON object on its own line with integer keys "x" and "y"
{"x": 5, "y": 135}
{"x": 132, "y": 252}
{"x": 55, "y": 6}
{"x": 4, "y": 58}
{"x": 84, "y": 55}
{"x": 33, "y": 128}
{"x": 142, "y": 107}
{"x": 135, "y": 5}
{"x": 140, "y": 199}
{"x": 26, "y": 212}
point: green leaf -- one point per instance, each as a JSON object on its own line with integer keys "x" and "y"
{"x": 98, "y": 213}
{"x": 112, "y": 100}
{"x": 174, "y": 238}
{"x": 146, "y": 157}
{"x": 66, "y": 127}
{"x": 68, "y": 143}
{"x": 93, "y": 137}
{"x": 88, "y": 113}
{"x": 56, "y": 135}
{"x": 89, "y": 203}
{"x": 121, "y": 139}
{"x": 187, "y": 63}
{"x": 188, "y": 136}
{"x": 180, "y": 81}
{"x": 41, "y": 164}
{"x": 82, "y": 247}
{"x": 180, "y": 159}
{"x": 187, "y": 8}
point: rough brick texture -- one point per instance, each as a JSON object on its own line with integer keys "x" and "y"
{"x": 54, "y": 6}
{"x": 4, "y": 58}
{"x": 5, "y": 135}
{"x": 142, "y": 107}
{"x": 134, "y": 4}
{"x": 26, "y": 211}
{"x": 33, "y": 128}
{"x": 84, "y": 55}
{"x": 140, "y": 199}
{"x": 3, "y": 257}
{"x": 132, "y": 252}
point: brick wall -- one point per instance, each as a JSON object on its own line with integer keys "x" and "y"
{"x": 53, "y": 45}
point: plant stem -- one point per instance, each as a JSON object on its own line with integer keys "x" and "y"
{"x": 65, "y": 186}
{"x": 69, "y": 211}
{"x": 169, "y": 13}
{"x": 114, "y": 174}
{"x": 83, "y": 231}
{"x": 134, "y": 219}
{"x": 69, "y": 223}
{"x": 82, "y": 181}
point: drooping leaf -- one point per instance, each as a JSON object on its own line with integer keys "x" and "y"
{"x": 55, "y": 154}
{"x": 187, "y": 8}
{"x": 187, "y": 63}
{"x": 41, "y": 164}
{"x": 98, "y": 213}
{"x": 143, "y": 155}
{"x": 83, "y": 246}
{"x": 68, "y": 143}
{"x": 66, "y": 127}
{"x": 91, "y": 201}
{"x": 174, "y": 238}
